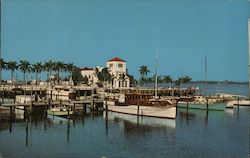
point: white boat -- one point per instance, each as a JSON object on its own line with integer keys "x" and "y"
{"x": 60, "y": 111}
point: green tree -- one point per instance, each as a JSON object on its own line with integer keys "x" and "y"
{"x": 143, "y": 72}
{"x": 104, "y": 76}
{"x": 12, "y": 66}
{"x": 58, "y": 67}
{"x": 48, "y": 66}
{"x": 167, "y": 79}
{"x": 37, "y": 69}
{"x": 24, "y": 66}
{"x": 132, "y": 81}
{"x": 77, "y": 76}
{"x": 184, "y": 79}
{"x": 70, "y": 68}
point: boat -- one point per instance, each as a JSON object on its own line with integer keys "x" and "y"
{"x": 143, "y": 104}
{"x": 59, "y": 111}
{"x": 204, "y": 103}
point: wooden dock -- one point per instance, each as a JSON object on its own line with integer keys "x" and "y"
{"x": 93, "y": 104}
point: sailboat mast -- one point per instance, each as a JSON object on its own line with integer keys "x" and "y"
{"x": 1, "y": 61}
{"x": 156, "y": 78}
{"x": 206, "y": 76}
{"x": 249, "y": 58}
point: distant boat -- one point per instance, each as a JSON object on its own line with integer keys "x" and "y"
{"x": 59, "y": 111}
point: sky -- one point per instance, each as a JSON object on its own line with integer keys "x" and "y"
{"x": 90, "y": 32}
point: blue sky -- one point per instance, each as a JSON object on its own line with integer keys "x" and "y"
{"x": 88, "y": 33}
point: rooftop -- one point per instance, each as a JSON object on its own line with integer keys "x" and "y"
{"x": 117, "y": 59}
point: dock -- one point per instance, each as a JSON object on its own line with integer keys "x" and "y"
{"x": 93, "y": 104}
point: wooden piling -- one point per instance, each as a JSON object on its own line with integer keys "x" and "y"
{"x": 138, "y": 109}
{"x": 207, "y": 103}
{"x": 68, "y": 110}
{"x": 74, "y": 110}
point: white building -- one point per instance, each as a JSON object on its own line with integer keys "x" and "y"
{"x": 91, "y": 74}
{"x": 118, "y": 70}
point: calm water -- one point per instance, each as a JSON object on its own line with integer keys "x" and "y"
{"x": 194, "y": 133}
{"x": 214, "y": 88}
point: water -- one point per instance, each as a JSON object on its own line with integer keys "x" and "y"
{"x": 212, "y": 89}
{"x": 194, "y": 133}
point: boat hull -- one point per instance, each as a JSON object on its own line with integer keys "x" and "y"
{"x": 213, "y": 106}
{"x": 59, "y": 113}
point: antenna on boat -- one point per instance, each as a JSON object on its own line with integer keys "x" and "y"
{"x": 156, "y": 62}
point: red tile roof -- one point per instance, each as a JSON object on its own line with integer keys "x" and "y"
{"x": 86, "y": 68}
{"x": 117, "y": 59}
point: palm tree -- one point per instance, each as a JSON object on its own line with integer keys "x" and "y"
{"x": 37, "y": 68}
{"x": 70, "y": 68}
{"x": 167, "y": 79}
{"x": 4, "y": 64}
{"x": 12, "y": 65}
{"x": 48, "y": 66}
{"x": 104, "y": 76}
{"x": 184, "y": 79}
{"x": 25, "y": 68}
{"x": 58, "y": 67}
{"x": 143, "y": 72}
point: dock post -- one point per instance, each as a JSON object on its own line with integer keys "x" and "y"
{"x": 31, "y": 107}
{"x": 138, "y": 109}
{"x": 74, "y": 110}
{"x": 3, "y": 96}
{"x": 14, "y": 96}
{"x": 207, "y": 103}
{"x": 84, "y": 108}
{"x": 49, "y": 103}
{"x": 106, "y": 109}
{"x": 238, "y": 102}
{"x": 68, "y": 110}
{"x": 187, "y": 104}
{"x": 106, "y": 105}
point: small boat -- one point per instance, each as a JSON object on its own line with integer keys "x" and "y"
{"x": 59, "y": 111}
{"x": 200, "y": 102}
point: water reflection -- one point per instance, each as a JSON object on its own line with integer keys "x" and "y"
{"x": 132, "y": 121}
{"x": 95, "y": 134}
{"x": 192, "y": 115}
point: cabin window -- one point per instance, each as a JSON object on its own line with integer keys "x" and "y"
{"x": 120, "y": 65}
{"x": 110, "y": 65}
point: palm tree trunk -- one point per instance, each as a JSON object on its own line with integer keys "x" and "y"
{"x": 36, "y": 77}
{"x": 12, "y": 76}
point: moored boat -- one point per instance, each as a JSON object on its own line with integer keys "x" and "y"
{"x": 203, "y": 103}
{"x": 59, "y": 111}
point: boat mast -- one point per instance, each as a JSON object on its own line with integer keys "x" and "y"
{"x": 249, "y": 58}
{"x": 156, "y": 62}
{"x": 206, "y": 76}
{"x": 1, "y": 61}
